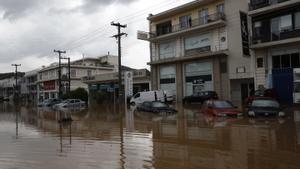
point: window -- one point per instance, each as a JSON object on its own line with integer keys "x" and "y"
{"x": 73, "y": 73}
{"x": 203, "y": 15}
{"x": 260, "y": 62}
{"x": 295, "y": 61}
{"x": 285, "y": 23}
{"x": 200, "y": 41}
{"x": 185, "y": 22}
{"x": 89, "y": 73}
{"x": 297, "y": 20}
{"x": 167, "y": 79}
{"x": 276, "y": 61}
{"x": 164, "y": 28}
{"x": 220, "y": 8}
{"x": 285, "y": 61}
{"x": 167, "y": 50}
{"x": 275, "y": 31}
{"x": 223, "y": 67}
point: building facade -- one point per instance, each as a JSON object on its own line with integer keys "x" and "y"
{"x": 48, "y": 79}
{"x": 28, "y": 86}
{"x": 275, "y": 44}
{"x": 198, "y": 47}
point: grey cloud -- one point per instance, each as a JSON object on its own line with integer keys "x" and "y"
{"x": 14, "y": 9}
{"x": 90, "y": 6}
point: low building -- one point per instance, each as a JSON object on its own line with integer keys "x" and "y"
{"x": 28, "y": 86}
{"x": 8, "y": 84}
{"x": 108, "y": 83}
{"x": 48, "y": 79}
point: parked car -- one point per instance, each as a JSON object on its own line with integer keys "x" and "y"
{"x": 157, "y": 95}
{"x": 155, "y": 107}
{"x": 49, "y": 102}
{"x": 70, "y": 103}
{"x": 200, "y": 97}
{"x": 270, "y": 93}
{"x": 265, "y": 107}
{"x": 220, "y": 108}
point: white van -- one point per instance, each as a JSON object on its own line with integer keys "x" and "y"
{"x": 157, "y": 95}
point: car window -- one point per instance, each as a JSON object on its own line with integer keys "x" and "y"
{"x": 77, "y": 101}
{"x": 137, "y": 95}
{"x": 159, "y": 104}
{"x": 147, "y": 104}
{"x": 265, "y": 103}
{"x": 222, "y": 104}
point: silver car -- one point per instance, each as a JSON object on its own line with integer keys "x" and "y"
{"x": 71, "y": 103}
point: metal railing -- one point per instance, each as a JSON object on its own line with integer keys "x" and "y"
{"x": 276, "y": 36}
{"x": 253, "y": 5}
{"x": 188, "y": 24}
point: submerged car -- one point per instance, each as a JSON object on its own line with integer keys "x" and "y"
{"x": 265, "y": 107}
{"x": 155, "y": 107}
{"x": 70, "y": 103}
{"x": 266, "y": 93}
{"x": 49, "y": 102}
{"x": 200, "y": 97}
{"x": 220, "y": 108}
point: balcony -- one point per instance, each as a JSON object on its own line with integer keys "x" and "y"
{"x": 257, "y": 4}
{"x": 260, "y": 7}
{"x": 276, "y": 38}
{"x": 167, "y": 30}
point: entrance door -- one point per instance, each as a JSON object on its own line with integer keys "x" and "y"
{"x": 283, "y": 84}
{"x": 247, "y": 89}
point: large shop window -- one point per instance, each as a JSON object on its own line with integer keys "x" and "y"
{"x": 297, "y": 20}
{"x": 286, "y": 61}
{"x": 167, "y": 50}
{"x": 198, "y": 77}
{"x": 202, "y": 42}
{"x": 167, "y": 79}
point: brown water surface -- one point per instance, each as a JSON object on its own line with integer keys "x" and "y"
{"x": 32, "y": 138}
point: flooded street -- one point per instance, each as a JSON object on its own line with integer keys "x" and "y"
{"x": 32, "y": 138}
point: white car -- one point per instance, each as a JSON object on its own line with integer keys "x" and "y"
{"x": 70, "y": 103}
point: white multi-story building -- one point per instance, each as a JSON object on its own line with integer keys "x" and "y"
{"x": 199, "y": 46}
{"x": 48, "y": 78}
{"x": 28, "y": 86}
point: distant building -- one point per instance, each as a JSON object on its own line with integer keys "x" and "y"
{"x": 8, "y": 84}
{"x": 199, "y": 46}
{"x": 106, "y": 83}
{"x": 28, "y": 86}
{"x": 48, "y": 76}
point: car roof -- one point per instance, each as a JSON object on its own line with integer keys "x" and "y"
{"x": 264, "y": 98}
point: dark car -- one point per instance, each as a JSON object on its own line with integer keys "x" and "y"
{"x": 265, "y": 107}
{"x": 155, "y": 107}
{"x": 49, "y": 102}
{"x": 200, "y": 97}
{"x": 270, "y": 93}
{"x": 220, "y": 108}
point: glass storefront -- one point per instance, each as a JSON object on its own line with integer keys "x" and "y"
{"x": 198, "y": 77}
{"x": 167, "y": 79}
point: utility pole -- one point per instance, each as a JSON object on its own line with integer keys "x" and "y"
{"x": 59, "y": 71}
{"x": 16, "y": 78}
{"x": 69, "y": 72}
{"x": 118, "y": 37}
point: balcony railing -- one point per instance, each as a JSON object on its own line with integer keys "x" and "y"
{"x": 189, "y": 24}
{"x": 276, "y": 36}
{"x": 256, "y": 4}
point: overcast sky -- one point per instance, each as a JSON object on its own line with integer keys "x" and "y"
{"x": 31, "y": 29}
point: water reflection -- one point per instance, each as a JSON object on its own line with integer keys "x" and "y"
{"x": 104, "y": 138}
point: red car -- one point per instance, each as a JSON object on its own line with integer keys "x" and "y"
{"x": 221, "y": 108}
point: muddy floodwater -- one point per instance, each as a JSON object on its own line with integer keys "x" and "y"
{"x": 101, "y": 138}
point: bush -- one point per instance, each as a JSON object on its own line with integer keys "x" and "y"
{"x": 79, "y": 93}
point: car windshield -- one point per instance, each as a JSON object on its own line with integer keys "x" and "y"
{"x": 265, "y": 103}
{"x": 259, "y": 93}
{"x": 159, "y": 104}
{"x": 65, "y": 101}
{"x": 222, "y": 104}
